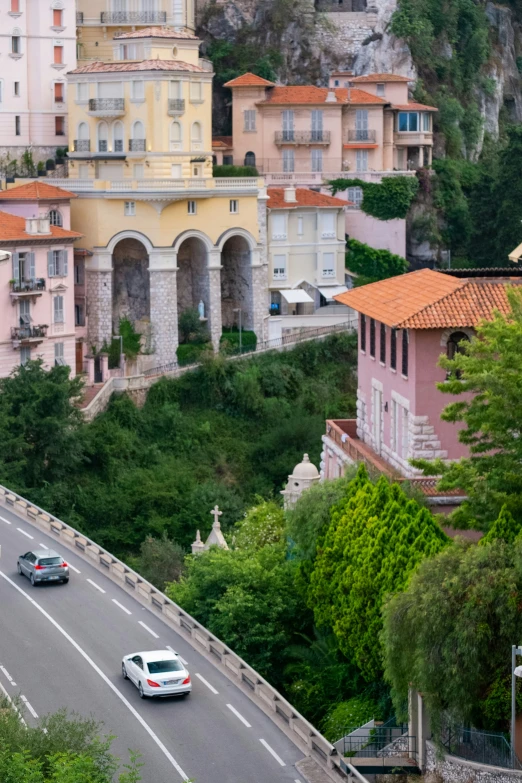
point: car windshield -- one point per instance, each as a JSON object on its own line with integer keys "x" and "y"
{"x": 159, "y": 667}
{"x": 50, "y": 561}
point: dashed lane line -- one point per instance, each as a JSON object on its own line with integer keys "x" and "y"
{"x": 7, "y": 675}
{"x": 123, "y": 608}
{"x": 272, "y": 751}
{"x": 5, "y": 520}
{"x": 13, "y": 705}
{"x": 96, "y": 586}
{"x": 205, "y": 682}
{"x": 152, "y": 633}
{"x": 238, "y": 715}
{"x": 29, "y": 707}
{"x": 24, "y": 533}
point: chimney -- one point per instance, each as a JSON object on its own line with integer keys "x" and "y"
{"x": 37, "y": 226}
{"x": 331, "y": 97}
{"x": 290, "y": 196}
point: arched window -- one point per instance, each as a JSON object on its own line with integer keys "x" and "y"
{"x": 175, "y": 140}
{"x": 103, "y": 136}
{"x": 117, "y": 136}
{"x": 250, "y": 159}
{"x": 137, "y": 143}
{"x": 81, "y": 142}
{"x": 456, "y": 344}
{"x": 55, "y": 218}
{"x": 195, "y": 133}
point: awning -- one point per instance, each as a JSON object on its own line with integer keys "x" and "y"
{"x": 333, "y": 290}
{"x": 296, "y": 295}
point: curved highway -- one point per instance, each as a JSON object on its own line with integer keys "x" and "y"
{"x": 61, "y": 646}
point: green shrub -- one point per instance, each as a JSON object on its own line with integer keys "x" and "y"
{"x": 235, "y": 171}
{"x": 388, "y": 200}
{"x": 191, "y": 328}
{"x": 370, "y": 264}
{"x": 229, "y": 342}
{"x": 348, "y": 715}
{"x": 189, "y": 353}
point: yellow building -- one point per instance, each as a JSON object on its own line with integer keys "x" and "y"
{"x": 165, "y": 235}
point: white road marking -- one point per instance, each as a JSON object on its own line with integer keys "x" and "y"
{"x": 73, "y": 568}
{"x": 155, "y": 635}
{"x": 103, "y": 676}
{"x": 8, "y": 676}
{"x": 114, "y": 601}
{"x": 183, "y": 661}
{"x": 5, "y": 520}
{"x": 13, "y": 705}
{"x": 29, "y": 707}
{"x": 272, "y": 751}
{"x": 44, "y": 546}
{"x": 96, "y": 586}
{"x": 24, "y": 533}
{"x": 209, "y": 686}
{"x": 238, "y": 715}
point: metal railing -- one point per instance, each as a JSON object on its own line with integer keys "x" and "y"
{"x": 176, "y": 105}
{"x": 28, "y": 332}
{"x": 360, "y": 134}
{"x": 133, "y": 17}
{"x": 302, "y": 137}
{"x": 381, "y": 741}
{"x": 331, "y": 6}
{"x": 23, "y": 286}
{"x": 480, "y": 746}
{"x": 106, "y": 104}
{"x": 81, "y": 145}
{"x": 137, "y": 145}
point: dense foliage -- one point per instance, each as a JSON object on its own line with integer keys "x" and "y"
{"x": 234, "y": 171}
{"x": 370, "y": 264}
{"x": 386, "y": 200}
{"x": 231, "y": 59}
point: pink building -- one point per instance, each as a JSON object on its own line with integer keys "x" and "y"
{"x": 37, "y": 282}
{"x": 405, "y": 324}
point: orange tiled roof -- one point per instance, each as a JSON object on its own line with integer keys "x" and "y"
{"x": 32, "y": 191}
{"x": 413, "y": 105}
{"x": 305, "y": 198}
{"x": 156, "y": 32}
{"x": 12, "y": 227}
{"x": 224, "y": 142}
{"x": 381, "y": 77}
{"x": 428, "y": 300}
{"x": 249, "y": 80}
{"x": 143, "y": 65}
{"x": 311, "y": 94}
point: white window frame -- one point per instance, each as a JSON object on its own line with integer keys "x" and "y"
{"x": 426, "y": 122}
{"x": 288, "y": 160}
{"x": 55, "y": 218}
{"x": 82, "y": 92}
{"x": 234, "y": 206}
{"x": 249, "y": 120}
{"x": 59, "y": 355}
{"x": 175, "y": 143}
{"x": 408, "y": 114}
{"x": 176, "y": 171}
{"x": 380, "y": 89}
{"x": 328, "y": 265}
{"x": 329, "y": 225}
{"x": 355, "y": 195}
{"x": 196, "y": 92}
{"x": 137, "y": 91}
{"x": 192, "y": 207}
{"x": 317, "y": 159}
{"x": 300, "y": 226}
{"x": 361, "y": 160}
{"x": 279, "y": 262}
{"x": 58, "y": 311}
{"x": 25, "y": 354}
{"x": 279, "y": 225}
{"x": 129, "y": 208}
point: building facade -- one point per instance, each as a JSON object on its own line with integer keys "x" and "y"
{"x": 38, "y": 48}
{"x": 36, "y": 283}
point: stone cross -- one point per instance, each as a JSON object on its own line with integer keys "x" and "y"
{"x": 216, "y": 513}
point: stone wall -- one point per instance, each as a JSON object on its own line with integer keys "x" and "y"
{"x": 131, "y": 294}
{"x": 454, "y": 770}
{"x": 164, "y": 315}
{"x": 236, "y": 283}
{"x": 99, "y": 306}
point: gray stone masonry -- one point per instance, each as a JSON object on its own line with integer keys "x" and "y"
{"x": 454, "y": 770}
{"x": 164, "y": 315}
{"x": 99, "y": 306}
{"x": 259, "y": 299}
{"x": 214, "y": 312}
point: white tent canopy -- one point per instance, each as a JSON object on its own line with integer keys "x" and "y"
{"x": 333, "y": 290}
{"x": 296, "y": 295}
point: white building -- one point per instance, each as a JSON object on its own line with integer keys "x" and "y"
{"x": 37, "y": 48}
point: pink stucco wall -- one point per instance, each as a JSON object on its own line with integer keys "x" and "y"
{"x": 36, "y": 209}
{"x": 381, "y": 234}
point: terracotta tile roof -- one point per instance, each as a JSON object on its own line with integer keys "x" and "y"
{"x": 413, "y": 105}
{"x": 305, "y": 198}
{"x": 428, "y": 300}
{"x": 157, "y": 32}
{"x": 12, "y": 227}
{"x": 249, "y": 80}
{"x": 32, "y": 191}
{"x": 224, "y": 142}
{"x": 380, "y": 77}
{"x": 311, "y": 94}
{"x": 143, "y": 65}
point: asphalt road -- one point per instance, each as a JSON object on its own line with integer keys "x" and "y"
{"x": 61, "y": 646}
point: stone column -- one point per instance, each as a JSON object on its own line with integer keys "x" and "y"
{"x": 260, "y": 297}
{"x": 214, "y": 287}
{"x": 104, "y": 357}
{"x": 387, "y": 141}
{"x": 98, "y": 270}
{"x": 164, "y": 305}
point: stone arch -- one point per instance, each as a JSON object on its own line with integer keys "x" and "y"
{"x": 446, "y": 334}
{"x": 145, "y": 241}
{"x": 192, "y": 234}
{"x": 236, "y": 279}
{"x": 131, "y": 282}
{"x": 239, "y": 232}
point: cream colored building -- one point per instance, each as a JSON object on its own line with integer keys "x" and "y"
{"x": 165, "y": 236}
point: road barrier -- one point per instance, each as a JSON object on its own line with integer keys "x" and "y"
{"x": 273, "y": 704}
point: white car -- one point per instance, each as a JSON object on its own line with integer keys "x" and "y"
{"x": 157, "y": 673}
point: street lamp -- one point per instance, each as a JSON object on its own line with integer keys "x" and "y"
{"x": 516, "y": 671}
{"x": 121, "y": 350}
{"x": 238, "y": 310}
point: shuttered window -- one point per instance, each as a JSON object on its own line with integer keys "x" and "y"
{"x": 372, "y": 338}
{"x": 405, "y": 352}
{"x": 363, "y": 332}
{"x": 58, "y": 310}
{"x": 382, "y": 347}
{"x": 57, "y": 263}
{"x": 393, "y": 349}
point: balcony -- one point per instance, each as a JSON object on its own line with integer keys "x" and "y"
{"x": 206, "y": 186}
{"x": 363, "y": 135}
{"x": 106, "y": 107}
{"x": 413, "y": 138}
{"x": 133, "y": 17}
{"x": 176, "y": 106}
{"x": 302, "y": 137}
{"x": 81, "y": 145}
{"x": 79, "y": 17}
{"x": 28, "y": 334}
{"x": 27, "y": 288}
{"x": 137, "y": 145}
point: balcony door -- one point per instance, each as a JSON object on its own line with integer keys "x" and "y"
{"x": 288, "y": 125}
{"x": 317, "y": 125}
{"x": 361, "y": 124}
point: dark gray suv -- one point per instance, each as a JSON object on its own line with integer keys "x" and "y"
{"x": 43, "y": 565}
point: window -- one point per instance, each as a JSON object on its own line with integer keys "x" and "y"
{"x": 362, "y": 326}
{"x": 234, "y": 206}
{"x": 382, "y": 345}
{"x": 58, "y": 316}
{"x": 59, "y": 358}
{"x": 138, "y": 91}
{"x": 300, "y": 227}
{"x": 59, "y": 126}
{"x": 57, "y": 18}
{"x": 278, "y": 226}
{"x": 228, "y": 160}
{"x": 426, "y": 122}
{"x": 361, "y": 125}
{"x": 195, "y": 133}
{"x": 57, "y": 263}
{"x": 328, "y": 264}
{"x": 317, "y": 160}
{"x": 16, "y": 90}
{"x": 55, "y": 218}
{"x": 279, "y": 267}
{"x": 58, "y": 55}
{"x": 288, "y": 125}
{"x": 58, "y": 92}
{"x": 191, "y": 207}
{"x": 456, "y": 344}
{"x": 129, "y": 208}
{"x": 103, "y": 136}
{"x": 250, "y": 159}
{"x": 117, "y": 137}
{"x": 138, "y": 131}
{"x": 78, "y": 274}
{"x": 175, "y": 136}
{"x": 393, "y": 349}
{"x": 15, "y": 7}
{"x": 78, "y": 315}
{"x": 355, "y": 195}
{"x": 129, "y": 51}
{"x": 328, "y": 221}
{"x": 336, "y": 82}
{"x": 361, "y": 160}
{"x": 175, "y": 92}
{"x": 25, "y": 354}
{"x": 408, "y": 121}
{"x": 16, "y": 44}
{"x": 196, "y": 93}
{"x": 405, "y": 353}
{"x": 175, "y": 171}
{"x": 25, "y": 313}
{"x": 288, "y": 160}
{"x": 380, "y": 90}
{"x": 317, "y": 125}
{"x": 18, "y": 131}
{"x": 82, "y": 92}
{"x": 138, "y": 171}
{"x": 250, "y": 120}
{"x": 372, "y": 338}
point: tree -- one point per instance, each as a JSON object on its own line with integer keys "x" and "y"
{"x": 370, "y": 264}
{"x": 504, "y": 528}
{"x": 488, "y": 373}
{"x": 262, "y": 524}
{"x": 389, "y": 199}
{"x": 449, "y": 634}
{"x": 160, "y": 560}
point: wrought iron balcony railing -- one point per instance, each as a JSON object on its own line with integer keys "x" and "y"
{"x": 133, "y": 17}
{"x": 137, "y": 145}
{"x": 364, "y": 135}
{"x": 302, "y": 137}
{"x": 176, "y": 105}
{"x": 28, "y": 286}
{"x": 28, "y": 332}
{"x": 106, "y": 104}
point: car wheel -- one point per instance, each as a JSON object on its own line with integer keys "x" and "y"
{"x": 140, "y": 690}
{"x": 33, "y": 580}
{"x": 65, "y": 580}
{"x": 124, "y": 672}
{"x": 19, "y": 569}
